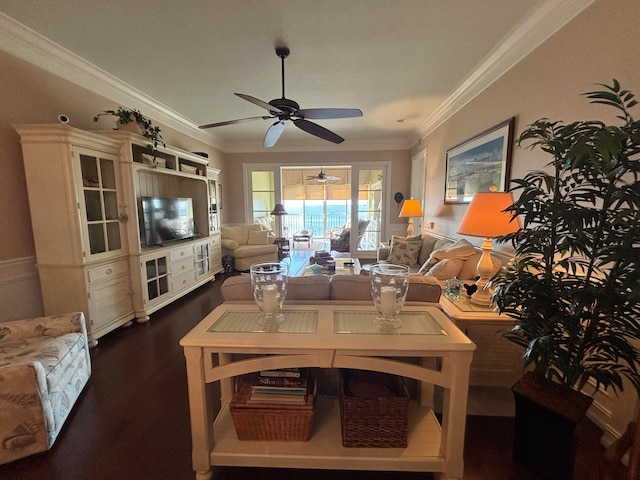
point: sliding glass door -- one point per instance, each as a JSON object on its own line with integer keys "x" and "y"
{"x": 368, "y": 195}
{"x": 351, "y": 197}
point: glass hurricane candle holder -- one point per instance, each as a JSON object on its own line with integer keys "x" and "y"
{"x": 389, "y": 285}
{"x": 269, "y": 284}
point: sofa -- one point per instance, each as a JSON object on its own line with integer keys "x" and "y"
{"x": 248, "y": 244}
{"x": 44, "y": 366}
{"x": 442, "y": 258}
{"x": 343, "y": 289}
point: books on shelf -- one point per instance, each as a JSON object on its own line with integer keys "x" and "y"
{"x": 282, "y": 372}
{"x": 274, "y": 387}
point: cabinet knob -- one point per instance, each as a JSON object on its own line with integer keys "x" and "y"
{"x": 109, "y": 271}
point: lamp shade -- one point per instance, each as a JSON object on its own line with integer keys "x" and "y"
{"x": 485, "y": 216}
{"x": 278, "y": 210}
{"x": 411, "y": 208}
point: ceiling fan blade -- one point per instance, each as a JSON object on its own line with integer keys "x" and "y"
{"x": 317, "y": 130}
{"x": 273, "y": 134}
{"x": 328, "y": 113}
{"x": 258, "y": 102}
{"x": 231, "y": 122}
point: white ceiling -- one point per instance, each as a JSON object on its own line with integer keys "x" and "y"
{"x": 407, "y": 64}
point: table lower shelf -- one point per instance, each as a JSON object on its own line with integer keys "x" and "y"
{"x": 325, "y": 451}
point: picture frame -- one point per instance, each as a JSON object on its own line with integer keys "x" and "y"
{"x": 480, "y": 162}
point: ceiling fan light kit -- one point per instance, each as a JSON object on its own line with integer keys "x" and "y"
{"x": 283, "y": 109}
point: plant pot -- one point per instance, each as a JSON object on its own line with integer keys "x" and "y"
{"x": 546, "y": 417}
{"x": 131, "y": 126}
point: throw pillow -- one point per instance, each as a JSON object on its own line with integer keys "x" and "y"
{"x": 259, "y": 238}
{"x": 447, "y": 268}
{"x": 404, "y": 252}
{"x": 345, "y": 234}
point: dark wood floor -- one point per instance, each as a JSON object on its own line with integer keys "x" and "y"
{"x": 132, "y": 421}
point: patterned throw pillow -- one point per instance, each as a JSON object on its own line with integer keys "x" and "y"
{"x": 404, "y": 251}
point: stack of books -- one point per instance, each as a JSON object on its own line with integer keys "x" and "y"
{"x": 321, "y": 257}
{"x": 288, "y": 385}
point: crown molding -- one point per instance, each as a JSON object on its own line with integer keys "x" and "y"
{"x": 27, "y": 44}
{"x": 526, "y": 36}
{"x": 301, "y": 145}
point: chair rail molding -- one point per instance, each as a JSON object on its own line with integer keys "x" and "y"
{"x": 20, "y": 295}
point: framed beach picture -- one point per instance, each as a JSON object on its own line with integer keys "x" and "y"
{"x": 478, "y": 163}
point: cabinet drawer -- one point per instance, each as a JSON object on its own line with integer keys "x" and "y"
{"x": 183, "y": 281}
{"x": 178, "y": 254}
{"x": 183, "y": 267}
{"x": 215, "y": 240}
{"x": 110, "y": 270}
{"x": 109, "y": 301}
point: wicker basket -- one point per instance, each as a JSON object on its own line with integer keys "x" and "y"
{"x": 272, "y": 421}
{"x": 369, "y": 420}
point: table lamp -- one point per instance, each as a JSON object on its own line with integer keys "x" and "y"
{"x": 411, "y": 208}
{"x": 485, "y": 217}
{"x": 278, "y": 211}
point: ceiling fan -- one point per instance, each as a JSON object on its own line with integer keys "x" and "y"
{"x": 322, "y": 177}
{"x": 283, "y": 109}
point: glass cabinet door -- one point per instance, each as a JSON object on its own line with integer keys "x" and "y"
{"x": 202, "y": 259}
{"x": 100, "y": 198}
{"x": 156, "y": 276}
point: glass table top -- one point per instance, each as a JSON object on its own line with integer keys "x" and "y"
{"x": 413, "y": 323}
{"x": 344, "y": 322}
{"x": 463, "y": 303}
{"x": 295, "y": 321}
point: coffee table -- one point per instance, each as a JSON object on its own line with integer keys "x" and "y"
{"x": 303, "y": 236}
{"x": 328, "y": 336}
{"x": 342, "y": 268}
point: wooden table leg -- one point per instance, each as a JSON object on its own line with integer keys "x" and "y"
{"x": 201, "y": 413}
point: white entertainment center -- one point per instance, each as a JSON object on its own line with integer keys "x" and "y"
{"x": 85, "y": 197}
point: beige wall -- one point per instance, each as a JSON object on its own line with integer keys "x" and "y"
{"x": 597, "y": 46}
{"x": 233, "y": 172}
{"x": 32, "y": 95}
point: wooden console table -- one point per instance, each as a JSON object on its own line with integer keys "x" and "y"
{"x": 329, "y": 336}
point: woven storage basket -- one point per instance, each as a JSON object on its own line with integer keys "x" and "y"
{"x": 373, "y": 421}
{"x": 272, "y": 421}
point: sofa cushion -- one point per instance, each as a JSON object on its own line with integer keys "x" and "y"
{"x": 239, "y": 233}
{"x": 259, "y": 238}
{"x": 345, "y": 234}
{"x": 54, "y": 353}
{"x": 316, "y": 287}
{"x": 350, "y": 287}
{"x": 246, "y": 251}
{"x": 404, "y": 251}
{"x": 428, "y": 243}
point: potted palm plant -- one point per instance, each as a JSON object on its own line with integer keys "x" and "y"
{"x": 142, "y": 125}
{"x": 573, "y": 288}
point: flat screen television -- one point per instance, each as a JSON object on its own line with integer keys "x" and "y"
{"x": 167, "y": 219}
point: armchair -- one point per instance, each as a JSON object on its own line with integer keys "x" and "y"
{"x": 340, "y": 241}
{"x": 44, "y": 365}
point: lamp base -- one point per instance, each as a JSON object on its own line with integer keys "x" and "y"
{"x": 410, "y": 228}
{"x": 482, "y": 296}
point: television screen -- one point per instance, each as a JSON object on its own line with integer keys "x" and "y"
{"x": 167, "y": 219}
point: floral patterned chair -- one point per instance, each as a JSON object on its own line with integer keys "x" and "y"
{"x": 340, "y": 242}
{"x": 44, "y": 365}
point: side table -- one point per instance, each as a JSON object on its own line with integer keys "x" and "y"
{"x": 283, "y": 247}
{"x": 497, "y": 362}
